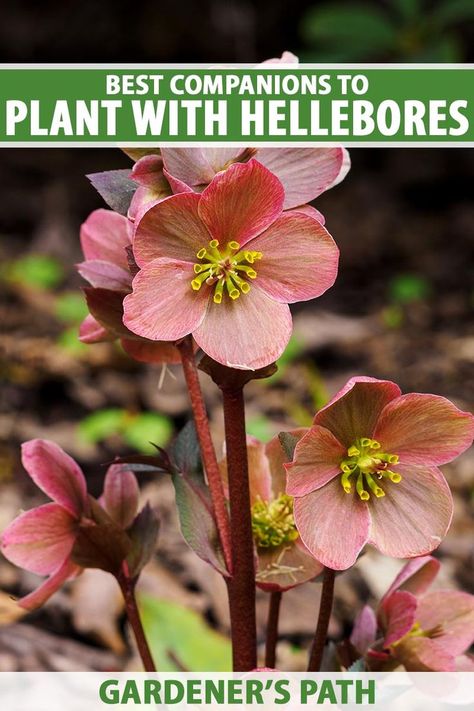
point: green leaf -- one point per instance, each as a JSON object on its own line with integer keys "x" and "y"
{"x": 353, "y": 26}
{"x": 71, "y": 307}
{"x": 260, "y": 427}
{"x": 441, "y": 49}
{"x": 143, "y": 534}
{"x": 288, "y": 442}
{"x": 450, "y": 12}
{"x": 185, "y": 451}
{"x": 35, "y": 270}
{"x": 358, "y": 666}
{"x": 172, "y": 628}
{"x": 101, "y": 424}
{"x": 408, "y": 9}
{"x": 115, "y": 187}
{"x": 407, "y": 288}
{"x": 69, "y": 340}
{"x": 148, "y": 427}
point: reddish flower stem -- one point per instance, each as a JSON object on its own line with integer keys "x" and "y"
{"x": 242, "y": 584}
{"x": 325, "y": 607}
{"x": 272, "y": 629}
{"x": 207, "y": 447}
{"x": 127, "y": 586}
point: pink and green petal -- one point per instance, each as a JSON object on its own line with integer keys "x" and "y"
{"x": 163, "y": 306}
{"x": 170, "y": 229}
{"x": 453, "y": 612}
{"x": 105, "y": 235}
{"x": 190, "y": 165}
{"x": 40, "y": 539}
{"x": 39, "y": 596}
{"x": 278, "y": 458}
{"x": 333, "y": 525}
{"x": 416, "y": 576}
{"x": 353, "y": 412}
{"x": 424, "y": 429}
{"x": 283, "y": 568}
{"x": 105, "y": 275}
{"x": 316, "y": 461}
{"x": 414, "y": 515}
{"x": 91, "y": 331}
{"x": 260, "y": 478}
{"x": 304, "y": 172}
{"x": 364, "y": 630}
{"x": 424, "y": 654}
{"x": 241, "y": 202}
{"x": 57, "y": 474}
{"x": 248, "y": 333}
{"x": 299, "y": 261}
{"x": 121, "y": 495}
{"x": 397, "y": 615}
{"x": 145, "y": 351}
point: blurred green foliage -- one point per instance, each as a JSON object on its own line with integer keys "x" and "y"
{"x": 403, "y": 290}
{"x": 398, "y": 30}
{"x": 179, "y": 637}
{"x": 71, "y": 307}
{"x": 137, "y": 430}
{"x": 34, "y": 270}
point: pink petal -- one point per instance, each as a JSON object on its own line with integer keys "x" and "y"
{"x": 39, "y": 596}
{"x": 90, "y": 331}
{"x": 286, "y": 58}
{"x": 260, "y": 478}
{"x": 178, "y": 186}
{"x": 423, "y": 654}
{"x": 364, "y": 630}
{"x": 278, "y": 458}
{"x": 241, "y": 202}
{"x": 189, "y": 165}
{"x": 105, "y": 274}
{"x": 248, "y": 333}
{"x": 333, "y": 525}
{"x": 424, "y": 429}
{"x": 148, "y": 172}
{"x": 316, "y": 461}
{"x": 311, "y": 211}
{"x": 40, "y": 539}
{"x": 414, "y": 515}
{"x": 171, "y": 229}
{"x": 398, "y": 615}
{"x": 56, "y": 473}
{"x": 121, "y": 495}
{"x": 454, "y": 612}
{"x": 299, "y": 260}
{"x": 345, "y": 168}
{"x": 353, "y": 412}
{"x": 151, "y": 351}
{"x": 304, "y": 172}
{"x": 220, "y": 158}
{"x": 105, "y": 235}
{"x": 284, "y": 568}
{"x": 416, "y": 576}
{"x": 163, "y": 305}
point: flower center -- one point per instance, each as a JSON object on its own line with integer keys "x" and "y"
{"x": 417, "y": 631}
{"x": 365, "y": 465}
{"x": 227, "y": 268}
{"x": 273, "y": 523}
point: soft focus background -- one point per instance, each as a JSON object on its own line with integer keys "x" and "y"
{"x": 401, "y": 309}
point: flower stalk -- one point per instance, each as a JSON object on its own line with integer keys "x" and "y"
{"x": 127, "y": 586}
{"x": 208, "y": 454}
{"x": 325, "y": 607}
{"x": 242, "y": 583}
{"x": 272, "y": 629}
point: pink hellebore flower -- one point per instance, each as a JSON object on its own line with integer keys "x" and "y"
{"x": 367, "y": 472}
{"x": 424, "y": 631}
{"x": 283, "y": 561}
{"x": 42, "y": 540}
{"x": 105, "y": 239}
{"x": 224, "y": 265}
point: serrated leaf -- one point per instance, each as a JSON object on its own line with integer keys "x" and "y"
{"x": 175, "y": 631}
{"x": 143, "y": 534}
{"x": 358, "y": 666}
{"x": 115, "y": 187}
{"x": 185, "y": 451}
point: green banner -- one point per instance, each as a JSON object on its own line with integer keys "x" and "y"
{"x": 278, "y": 104}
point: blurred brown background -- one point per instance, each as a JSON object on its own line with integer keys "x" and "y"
{"x": 401, "y": 307}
